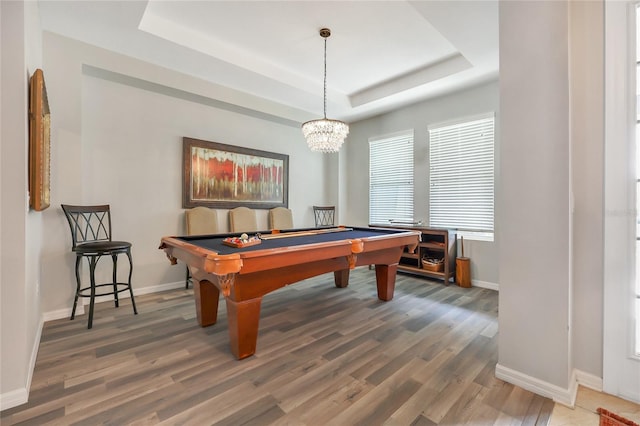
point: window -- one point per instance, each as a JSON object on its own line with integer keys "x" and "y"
{"x": 620, "y": 358}
{"x": 391, "y": 179}
{"x": 461, "y": 176}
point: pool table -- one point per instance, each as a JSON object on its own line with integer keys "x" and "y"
{"x": 245, "y": 274}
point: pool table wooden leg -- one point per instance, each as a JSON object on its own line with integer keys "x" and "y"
{"x": 243, "y": 318}
{"x": 386, "y": 280}
{"x": 206, "y": 297}
{"x": 341, "y": 278}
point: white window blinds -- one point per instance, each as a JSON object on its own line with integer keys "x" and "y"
{"x": 461, "y": 174}
{"x": 391, "y": 178}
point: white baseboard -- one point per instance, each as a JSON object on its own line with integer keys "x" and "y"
{"x": 61, "y": 313}
{"x": 13, "y": 398}
{"x": 34, "y": 352}
{"x": 589, "y": 380}
{"x": 138, "y": 292}
{"x": 158, "y": 288}
{"x": 485, "y": 284}
{"x": 83, "y": 301}
{"x": 20, "y": 396}
{"x": 560, "y": 395}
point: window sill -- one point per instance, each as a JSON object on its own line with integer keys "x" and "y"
{"x": 476, "y": 235}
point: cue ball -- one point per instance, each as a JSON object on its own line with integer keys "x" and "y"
{"x": 244, "y": 237}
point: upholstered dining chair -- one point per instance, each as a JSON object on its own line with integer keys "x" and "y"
{"x": 324, "y": 215}
{"x": 280, "y": 218}
{"x": 243, "y": 219}
{"x": 200, "y": 221}
{"x": 91, "y": 238}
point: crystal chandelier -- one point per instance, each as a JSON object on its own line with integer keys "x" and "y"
{"x": 325, "y": 134}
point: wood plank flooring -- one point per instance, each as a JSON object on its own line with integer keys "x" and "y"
{"x": 325, "y": 356}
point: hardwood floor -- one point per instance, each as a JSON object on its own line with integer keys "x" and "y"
{"x": 325, "y": 356}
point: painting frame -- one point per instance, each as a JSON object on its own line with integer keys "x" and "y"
{"x": 39, "y": 143}
{"x": 261, "y": 183}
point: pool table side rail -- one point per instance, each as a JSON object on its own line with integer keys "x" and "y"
{"x": 271, "y": 258}
{"x": 200, "y": 257}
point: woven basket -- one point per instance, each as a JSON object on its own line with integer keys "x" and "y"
{"x": 433, "y": 265}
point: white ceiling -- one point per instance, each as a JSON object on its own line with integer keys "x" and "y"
{"x": 381, "y": 54}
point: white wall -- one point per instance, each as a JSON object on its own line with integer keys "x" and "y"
{"x": 552, "y": 196}
{"x": 534, "y": 233}
{"x": 477, "y": 100}
{"x": 587, "y": 151}
{"x": 118, "y": 125}
{"x": 13, "y": 225}
{"x": 20, "y": 229}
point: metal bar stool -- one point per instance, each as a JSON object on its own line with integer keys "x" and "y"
{"x": 324, "y": 215}
{"x": 91, "y": 236}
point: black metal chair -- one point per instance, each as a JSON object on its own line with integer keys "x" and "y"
{"x": 324, "y": 215}
{"x": 91, "y": 237}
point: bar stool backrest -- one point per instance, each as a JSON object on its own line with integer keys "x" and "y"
{"x": 324, "y": 215}
{"x": 88, "y": 223}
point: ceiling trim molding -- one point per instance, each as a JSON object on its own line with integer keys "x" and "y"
{"x": 142, "y": 84}
{"x": 424, "y": 75}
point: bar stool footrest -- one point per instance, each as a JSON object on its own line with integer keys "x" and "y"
{"x": 120, "y": 288}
